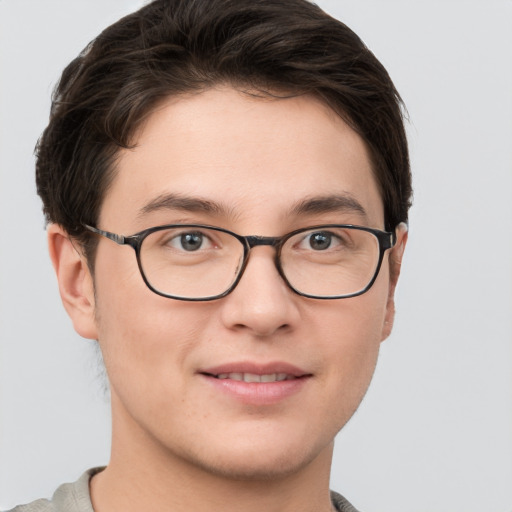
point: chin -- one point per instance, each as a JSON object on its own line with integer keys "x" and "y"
{"x": 259, "y": 461}
{"x": 258, "y": 469}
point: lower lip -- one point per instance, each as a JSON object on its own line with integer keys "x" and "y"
{"x": 258, "y": 393}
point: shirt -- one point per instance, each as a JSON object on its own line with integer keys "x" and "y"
{"x": 75, "y": 497}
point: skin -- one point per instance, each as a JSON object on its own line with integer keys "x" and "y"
{"x": 178, "y": 442}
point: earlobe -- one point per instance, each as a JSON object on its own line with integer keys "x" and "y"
{"x": 395, "y": 263}
{"x": 75, "y": 281}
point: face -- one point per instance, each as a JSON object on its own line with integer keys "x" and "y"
{"x": 255, "y": 160}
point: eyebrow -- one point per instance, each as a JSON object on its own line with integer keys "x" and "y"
{"x": 184, "y": 203}
{"x": 335, "y": 203}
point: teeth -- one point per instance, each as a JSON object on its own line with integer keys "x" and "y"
{"x": 253, "y": 377}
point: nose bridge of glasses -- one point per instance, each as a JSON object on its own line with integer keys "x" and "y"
{"x": 254, "y": 241}
{"x": 269, "y": 241}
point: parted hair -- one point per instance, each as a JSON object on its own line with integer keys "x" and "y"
{"x": 170, "y": 47}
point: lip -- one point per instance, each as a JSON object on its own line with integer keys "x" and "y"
{"x": 256, "y": 393}
{"x": 253, "y": 367}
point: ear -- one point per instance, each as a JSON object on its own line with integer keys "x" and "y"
{"x": 395, "y": 262}
{"x": 75, "y": 281}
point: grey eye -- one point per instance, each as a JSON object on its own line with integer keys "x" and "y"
{"x": 320, "y": 241}
{"x": 188, "y": 241}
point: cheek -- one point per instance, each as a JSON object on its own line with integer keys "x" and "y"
{"x": 143, "y": 337}
{"x": 355, "y": 340}
{"x": 355, "y": 324}
{"x": 351, "y": 345}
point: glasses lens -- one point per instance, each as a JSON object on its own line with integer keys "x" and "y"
{"x": 191, "y": 262}
{"x": 330, "y": 261}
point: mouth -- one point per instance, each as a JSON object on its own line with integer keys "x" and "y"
{"x": 257, "y": 384}
{"x": 254, "y": 377}
{"x": 247, "y": 371}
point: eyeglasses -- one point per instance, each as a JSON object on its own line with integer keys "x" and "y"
{"x": 199, "y": 263}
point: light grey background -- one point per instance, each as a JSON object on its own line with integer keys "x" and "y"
{"x": 434, "y": 433}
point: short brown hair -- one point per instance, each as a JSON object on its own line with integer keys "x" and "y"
{"x": 171, "y": 47}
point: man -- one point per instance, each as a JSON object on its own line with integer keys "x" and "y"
{"x": 252, "y": 153}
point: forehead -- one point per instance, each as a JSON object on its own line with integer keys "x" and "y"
{"x": 250, "y": 156}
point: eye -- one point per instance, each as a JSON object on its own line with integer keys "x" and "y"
{"x": 190, "y": 241}
{"x": 320, "y": 241}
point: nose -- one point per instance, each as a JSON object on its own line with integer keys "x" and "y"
{"x": 262, "y": 303}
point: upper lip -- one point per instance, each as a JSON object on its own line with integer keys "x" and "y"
{"x": 255, "y": 368}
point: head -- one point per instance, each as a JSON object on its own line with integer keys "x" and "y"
{"x": 255, "y": 107}
{"x": 173, "y": 48}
